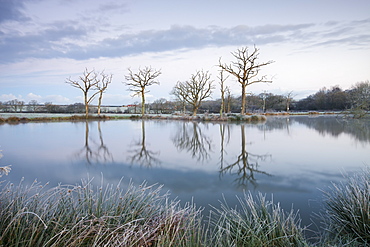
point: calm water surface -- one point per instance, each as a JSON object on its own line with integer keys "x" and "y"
{"x": 289, "y": 157}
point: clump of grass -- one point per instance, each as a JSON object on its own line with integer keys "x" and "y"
{"x": 258, "y": 223}
{"x": 82, "y": 216}
{"x": 346, "y": 215}
{"x": 258, "y": 118}
{"x": 247, "y": 118}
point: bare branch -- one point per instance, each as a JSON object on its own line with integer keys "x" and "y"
{"x": 87, "y": 82}
{"x": 245, "y": 68}
{"x": 138, "y": 82}
{"x": 194, "y": 91}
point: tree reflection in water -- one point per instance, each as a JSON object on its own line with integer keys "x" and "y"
{"x": 224, "y": 140}
{"x": 97, "y": 151}
{"x": 245, "y": 166}
{"x": 140, "y": 154}
{"x": 190, "y": 138}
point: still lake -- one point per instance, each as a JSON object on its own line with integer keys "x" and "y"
{"x": 291, "y": 158}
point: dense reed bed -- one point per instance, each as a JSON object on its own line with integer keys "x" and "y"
{"x": 117, "y": 215}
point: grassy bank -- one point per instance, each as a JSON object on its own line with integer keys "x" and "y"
{"x": 82, "y": 215}
{"x": 74, "y": 118}
{"x": 71, "y": 118}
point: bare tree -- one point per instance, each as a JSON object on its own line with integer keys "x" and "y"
{"x": 197, "y": 89}
{"x": 246, "y": 69}
{"x": 87, "y": 82}
{"x": 51, "y": 108}
{"x": 160, "y": 105}
{"x": 138, "y": 83}
{"x": 33, "y": 105}
{"x": 223, "y": 89}
{"x": 288, "y": 100}
{"x": 15, "y": 105}
{"x": 359, "y": 97}
{"x": 102, "y": 87}
{"x": 180, "y": 92}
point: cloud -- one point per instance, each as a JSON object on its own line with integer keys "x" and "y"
{"x": 53, "y": 41}
{"x": 7, "y": 97}
{"x": 63, "y": 39}
{"x": 353, "y": 34}
{"x": 56, "y": 99}
{"x": 11, "y": 10}
{"x": 76, "y": 40}
{"x": 32, "y": 96}
{"x": 114, "y": 7}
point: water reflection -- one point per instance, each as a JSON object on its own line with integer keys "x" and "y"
{"x": 197, "y": 141}
{"x": 246, "y": 164}
{"x": 225, "y": 139}
{"x": 189, "y": 137}
{"x": 139, "y": 152}
{"x": 94, "y": 151}
{"x": 331, "y": 125}
{"x": 335, "y": 126}
{"x": 279, "y": 123}
{"x": 189, "y": 158}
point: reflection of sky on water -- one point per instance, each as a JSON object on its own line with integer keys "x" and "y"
{"x": 292, "y": 158}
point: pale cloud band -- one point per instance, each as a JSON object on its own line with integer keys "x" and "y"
{"x": 67, "y": 39}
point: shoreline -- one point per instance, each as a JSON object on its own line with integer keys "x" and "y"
{"x": 14, "y": 118}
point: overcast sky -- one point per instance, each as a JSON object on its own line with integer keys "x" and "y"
{"x": 315, "y": 44}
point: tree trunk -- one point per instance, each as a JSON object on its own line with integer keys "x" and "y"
{"x": 86, "y": 106}
{"x": 242, "y": 112}
{"x": 99, "y": 102}
{"x": 222, "y": 103}
{"x": 195, "y": 111}
{"x": 228, "y": 104}
{"x": 142, "y": 102}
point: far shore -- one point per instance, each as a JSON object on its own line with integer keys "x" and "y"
{"x": 13, "y": 118}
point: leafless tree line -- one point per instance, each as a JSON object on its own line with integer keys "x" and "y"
{"x": 245, "y": 68}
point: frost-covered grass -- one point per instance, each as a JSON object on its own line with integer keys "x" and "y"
{"x": 347, "y": 210}
{"x": 117, "y": 215}
{"x": 14, "y": 118}
{"x": 259, "y": 222}
{"x": 87, "y": 216}
{"x": 53, "y": 118}
{"x": 33, "y": 115}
